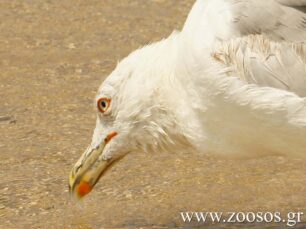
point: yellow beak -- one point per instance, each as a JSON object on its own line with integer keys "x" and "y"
{"x": 89, "y": 168}
{"x": 87, "y": 171}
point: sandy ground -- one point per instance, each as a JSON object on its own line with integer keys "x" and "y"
{"x": 53, "y": 56}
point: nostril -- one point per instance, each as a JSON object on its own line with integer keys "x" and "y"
{"x": 77, "y": 169}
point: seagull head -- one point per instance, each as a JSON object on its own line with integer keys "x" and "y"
{"x": 131, "y": 115}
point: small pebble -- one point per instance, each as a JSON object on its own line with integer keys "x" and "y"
{"x": 71, "y": 46}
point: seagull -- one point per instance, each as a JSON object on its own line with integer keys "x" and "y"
{"x": 232, "y": 82}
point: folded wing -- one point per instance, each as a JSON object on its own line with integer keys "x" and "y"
{"x": 213, "y": 20}
{"x": 293, "y": 2}
{"x": 257, "y": 60}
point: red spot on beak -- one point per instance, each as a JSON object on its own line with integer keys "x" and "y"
{"x": 110, "y": 136}
{"x": 83, "y": 189}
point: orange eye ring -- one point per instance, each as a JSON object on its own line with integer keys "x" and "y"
{"x": 103, "y": 104}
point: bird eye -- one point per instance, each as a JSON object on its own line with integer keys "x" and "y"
{"x": 103, "y": 104}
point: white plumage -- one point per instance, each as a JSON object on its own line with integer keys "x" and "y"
{"x": 232, "y": 82}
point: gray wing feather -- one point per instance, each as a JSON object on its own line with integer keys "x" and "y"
{"x": 279, "y": 20}
{"x": 275, "y": 20}
{"x": 257, "y": 60}
{"x": 293, "y": 2}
